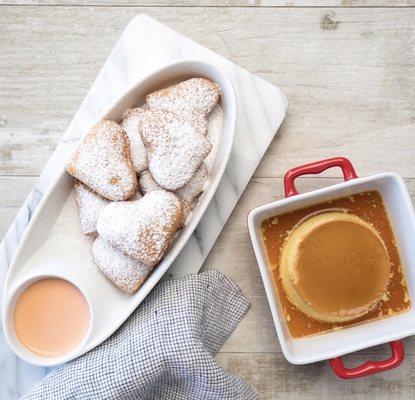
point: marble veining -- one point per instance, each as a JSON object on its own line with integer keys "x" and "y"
{"x": 261, "y": 107}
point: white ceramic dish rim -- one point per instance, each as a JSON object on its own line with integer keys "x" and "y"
{"x": 32, "y": 278}
{"x": 330, "y": 345}
{"x": 183, "y": 68}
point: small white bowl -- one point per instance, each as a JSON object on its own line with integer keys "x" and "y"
{"x": 10, "y": 333}
{"x": 334, "y": 344}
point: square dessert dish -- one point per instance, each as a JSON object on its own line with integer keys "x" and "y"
{"x": 120, "y": 212}
{"x": 322, "y": 338}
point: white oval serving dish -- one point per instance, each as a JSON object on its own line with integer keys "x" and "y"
{"x": 53, "y": 245}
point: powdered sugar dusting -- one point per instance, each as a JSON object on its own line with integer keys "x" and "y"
{"x": 176, "y": 150}
{"x": 90, "y": 205}
{"x": 66, "y": 243}
{"x": 171, "y": 142}
{"x": 126, "y": 272}
{"x": 147, "y": 183}
{"x": 193, "y": 189}
{"x": 193, "y": 99}
{"x": 130, "y": 123}
{"x": 188, "y": 193}
{"x": 136, "y": 196}
{"x": 102, "y": 162}
{"x": 198, "y": 120}
{"x": 144, "y": 228}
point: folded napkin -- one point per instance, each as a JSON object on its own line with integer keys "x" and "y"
{"x": 165, "y": 350}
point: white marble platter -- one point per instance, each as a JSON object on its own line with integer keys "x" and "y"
{"x": 144, "y": 46}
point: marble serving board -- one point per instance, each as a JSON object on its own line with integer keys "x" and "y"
{"x": 145, "y": 45}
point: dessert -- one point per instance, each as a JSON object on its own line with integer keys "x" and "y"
{"x": 193, "y": 99}
{"x": 175, "y": 148}
{"x": 130, "y": 123}
{"x": 335, "y": 264}
{"x": 102, "y": 161}
{"x": 144, "y": 228}
{"x": 165, "y": 143}
{"x": 124, "y": 271}
{"x": 147, "y": 183}
{"x": 334, "y": 267}
{"x": 189, "y": 193}
{"x": 90, "y": 205}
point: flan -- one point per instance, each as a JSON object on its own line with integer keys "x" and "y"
{"x": 334, "y": 267}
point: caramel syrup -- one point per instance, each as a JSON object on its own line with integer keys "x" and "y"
{"x": 368, "y": 206}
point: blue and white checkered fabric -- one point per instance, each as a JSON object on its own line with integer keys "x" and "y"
{"x": 165, "y": 350}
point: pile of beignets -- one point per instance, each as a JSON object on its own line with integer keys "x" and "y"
{"x": 137, "y": 181}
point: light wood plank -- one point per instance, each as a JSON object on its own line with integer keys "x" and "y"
{"x": 218, "y": 3}
{"x": 348, "y": 73}
{"x": 13, "y": 192}
{"x": 273, "y": 378}
{"x": 349, "y": 76}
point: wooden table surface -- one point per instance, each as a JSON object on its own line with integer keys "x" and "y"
{"x": 348, "y": 68}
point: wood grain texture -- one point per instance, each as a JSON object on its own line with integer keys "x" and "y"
{"x": 274, "y": 378}
{"x": 216, "y": 3}
{"x": 348, "y": 74}
{"x": 13, "y": 192}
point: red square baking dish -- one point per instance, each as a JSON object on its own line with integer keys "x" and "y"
{"x": 333, "y": 344}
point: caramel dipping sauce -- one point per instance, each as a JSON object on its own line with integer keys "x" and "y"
{"x": 370, "y": 208}
{"x": 51, "y": 317}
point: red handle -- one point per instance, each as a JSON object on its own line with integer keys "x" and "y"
{"x": 370, "y": 367}
{"x": 316, "y": 168}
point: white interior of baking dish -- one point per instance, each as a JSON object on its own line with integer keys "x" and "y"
{"x": 336, "y": 343}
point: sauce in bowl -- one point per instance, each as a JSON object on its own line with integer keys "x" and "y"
{"x": 51, "y": 317}
{"x": 314, "y": 286}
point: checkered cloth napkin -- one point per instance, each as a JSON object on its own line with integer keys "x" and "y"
{"x": 165, "y": 350}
